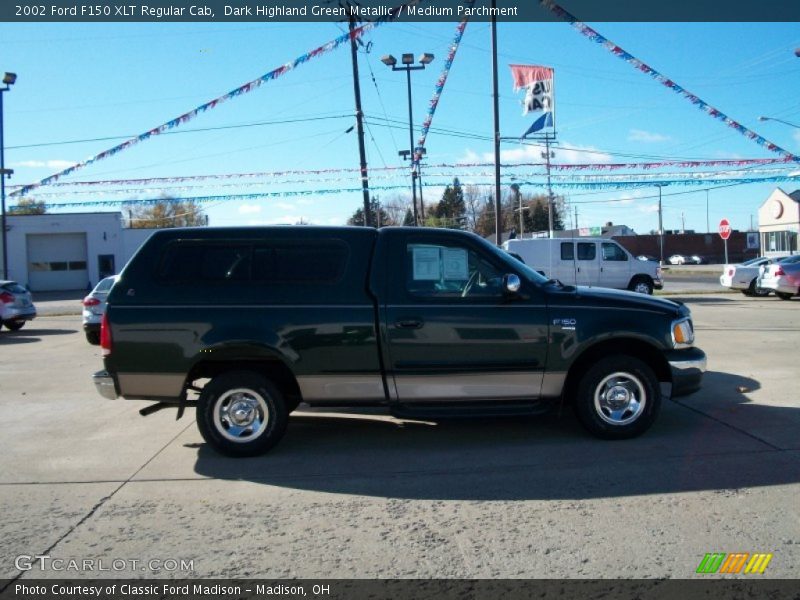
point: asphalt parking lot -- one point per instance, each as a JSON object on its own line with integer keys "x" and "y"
{"x": 367, "y": 495}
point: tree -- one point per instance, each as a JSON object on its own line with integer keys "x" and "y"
{"x": 451, "y": 209}
{"x": 408, "y": 220}
{"x": 378, "y": 215}
{"x": 28, "y": 206}
{"x": 167, "y": 212}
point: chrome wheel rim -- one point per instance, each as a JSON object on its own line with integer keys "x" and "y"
{"x": 642, "y": 288}
{"x": 620, "y": 398}
{"x": 241, "y": 415}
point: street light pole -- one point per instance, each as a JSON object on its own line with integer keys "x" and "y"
{"x": 8, "y": 81}
{"x": 789, "y": 123}
{"x": 408, "y": 66}
{"x": 660, "y": 230}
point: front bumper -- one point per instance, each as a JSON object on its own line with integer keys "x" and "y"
{"x": 687, "y": 367}
{"x": 658, "y": 284}
{"x": 105, "y": 385}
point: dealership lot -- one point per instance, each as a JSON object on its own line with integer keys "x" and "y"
{"x": 366, "y": 495}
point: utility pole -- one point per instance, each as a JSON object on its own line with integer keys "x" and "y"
{"x": 360, "y": 122}
{"x": 660, "y": 229}
{"x": 498, "y": 227}
{"x": 549, "y": 189}
{"x": 576, "y": 219}
{"x": 708, "y": 227}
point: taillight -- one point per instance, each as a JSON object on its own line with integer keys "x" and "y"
{"x": 779, "y": 271}
{"x": 105, "y": 335}
{"x": 6, "y": 298}
{"x": 90, "y": 301}
{"x": 730, "y": 272}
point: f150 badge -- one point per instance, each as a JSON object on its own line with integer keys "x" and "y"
{"x": 565, "y": 323}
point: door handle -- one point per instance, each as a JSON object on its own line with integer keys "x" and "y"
{"x": 409, "y": 323}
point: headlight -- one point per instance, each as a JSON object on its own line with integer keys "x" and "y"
{"x": 682, "y": 333}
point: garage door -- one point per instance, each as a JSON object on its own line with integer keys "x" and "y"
{"x": 57, "y": 262}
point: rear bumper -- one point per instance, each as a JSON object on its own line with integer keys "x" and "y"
{"x": 687, "y": 367}
{"x": 19, "y": 314}
{"x": 105, "y": 385}
{"x": 779, "y": 284}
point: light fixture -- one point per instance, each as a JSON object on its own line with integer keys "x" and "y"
{"x": 389, "y": 60}
{"x": 763, "y": 118}
{"x": 408, "y": 59}
{"x": 426, "y": 58}
{"x": 9, "y": 78}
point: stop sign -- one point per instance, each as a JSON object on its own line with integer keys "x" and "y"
{"x": 724, "y": 229}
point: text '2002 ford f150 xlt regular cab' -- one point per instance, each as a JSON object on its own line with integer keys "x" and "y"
{"x": 246, "y": 323}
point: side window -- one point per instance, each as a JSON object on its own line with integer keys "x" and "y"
{"x": 281, "y": 262}
{"x": 450, "y": 271}
{"x": 567, "y": 251}
{"x": 198, "y": 262}
{"x": 613, "y": 252}
{"x": 587, "y": 250}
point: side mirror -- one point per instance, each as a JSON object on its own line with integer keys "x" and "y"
{"x": 511, "y": 283}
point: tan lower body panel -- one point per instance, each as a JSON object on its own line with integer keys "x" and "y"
{"x": 163, "y": 385}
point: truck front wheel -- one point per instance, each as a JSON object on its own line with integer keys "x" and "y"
{"x": 618, "y": 398}
{"x": 641, "y": 285}
{"x": 240, "y": 413}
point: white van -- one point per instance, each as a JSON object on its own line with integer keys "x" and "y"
{"x": 598, "y": 262}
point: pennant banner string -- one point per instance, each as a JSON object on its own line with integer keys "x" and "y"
{"x": 244, "y": 89}
{"x": 745, "y": 162}
{"x": 617, "y": 51}
{"x": 563, "y": 185}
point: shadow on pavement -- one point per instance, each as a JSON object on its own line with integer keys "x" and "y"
{"x": 549, "y": 457}
{"x": 31, "y": 333}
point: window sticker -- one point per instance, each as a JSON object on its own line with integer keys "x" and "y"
{"x": 426, "y": 264}
{"x": 456, "y": 265}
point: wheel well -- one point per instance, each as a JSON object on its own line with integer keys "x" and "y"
{"x": 278, "y": 373}
{"x": 639, "y": 277}
{"x": 628, "y": 346}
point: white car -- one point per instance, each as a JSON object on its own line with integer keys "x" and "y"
{"x": 677, "y": 259}
{"x": 743, "y": 277}
{"x": 94, "y": 306}
{"x": 783, "y": 277}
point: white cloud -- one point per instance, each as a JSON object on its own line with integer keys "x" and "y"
{"x": 648, "y": 137}
{"x": 283, "y": 206}
{"x": 249, "y": 209}
{"x": 649, "y": 208}
{"x": 305, "y": 201}
{"x": 41, "y": 164}
{"x": 797, "y": 137}
{"x": 282, "y": 220}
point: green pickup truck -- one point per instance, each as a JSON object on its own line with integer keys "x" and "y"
{"x": 246, "y": 323}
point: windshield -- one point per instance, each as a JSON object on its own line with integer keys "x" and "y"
{"x": 754, "y": 261}
{"x": 788, "y": 260}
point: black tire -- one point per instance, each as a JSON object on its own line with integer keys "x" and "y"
{"x": 257, "y": 397}
{"x": 643, "y": 285}
{"x": 783, "y": 295}
{"x": 620, "y": 373}
{"x": 759, "y": 292}
{"x": 14, "y": 325}
{"x": 93, "y": 337}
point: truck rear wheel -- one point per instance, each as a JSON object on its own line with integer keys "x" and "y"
{"x": 618, "y": 398}
{"x": 240, "y": 413}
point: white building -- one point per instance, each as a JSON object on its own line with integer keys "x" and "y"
{"x": 779, "y": 223}
{"x": 68, "y": 251}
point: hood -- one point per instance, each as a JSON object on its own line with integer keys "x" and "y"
{"x": 624, "y": 299}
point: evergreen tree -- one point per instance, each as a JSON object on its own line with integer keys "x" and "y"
{"x": 378, "y": 215}
{"x": 451, "y": 209}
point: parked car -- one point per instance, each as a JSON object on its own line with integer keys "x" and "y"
{"x": 246, "y": 323}
{"x": 647, "y": 257}
{"x": 16, "y": 305}
{"x": 677, "y": 259}
{"x": 783, "y": 277}
{"x": 696, "y": 259}
{"x": 94, "y": 306}
{"x": 596, "y": 262}
{"x": 744, "y": 276}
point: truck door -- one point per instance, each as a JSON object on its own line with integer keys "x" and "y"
{"x": 615, "y": 269}
{"x": 587, "y": 270}
{"x": 452, "y": 331}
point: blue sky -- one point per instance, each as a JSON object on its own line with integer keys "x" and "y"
{"x": 92, "y": 81}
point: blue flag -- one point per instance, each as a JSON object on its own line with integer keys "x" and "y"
{"x": 546, "y": 120}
